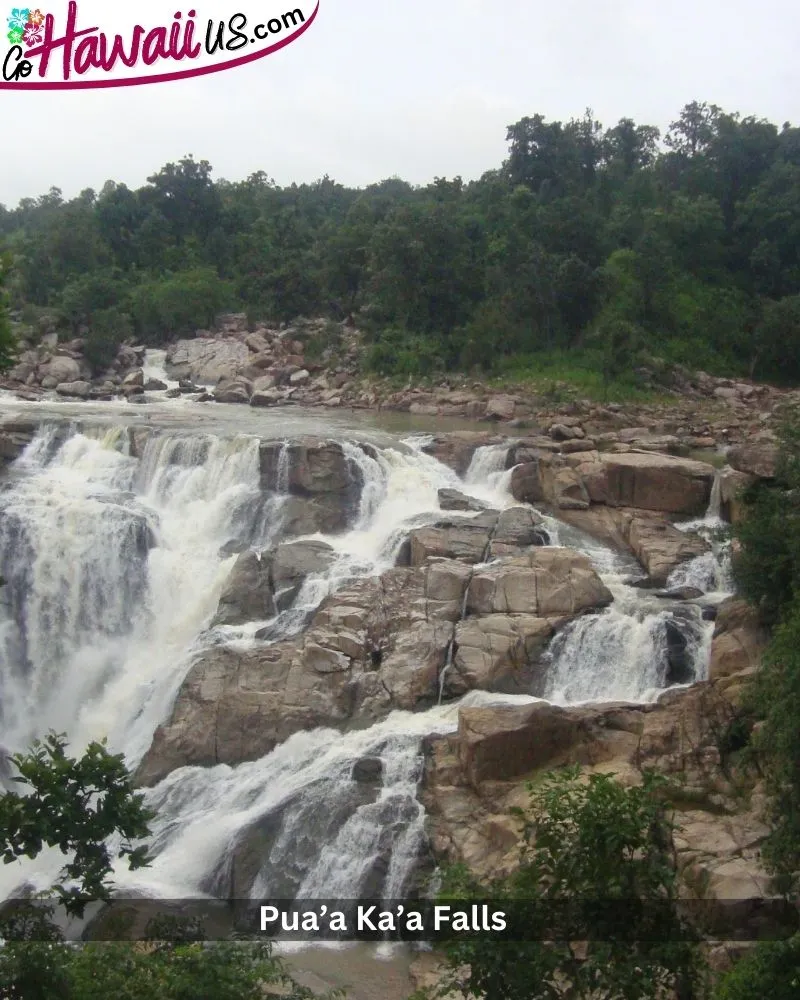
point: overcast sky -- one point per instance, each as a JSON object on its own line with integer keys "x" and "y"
{"x": 415, "y": 88}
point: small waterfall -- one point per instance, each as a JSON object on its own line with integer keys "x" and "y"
{"x": 116, "y": 564}
{"x": 155, "y": 369}
{"x": 629, "y": 652}
{"x": 715, "y": 501}
{"x": 712, "y": 572}
{"x": 451, "y": 649}
{"x": 487, "y": 475}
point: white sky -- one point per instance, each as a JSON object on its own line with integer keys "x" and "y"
{"x": 415, "y": 88}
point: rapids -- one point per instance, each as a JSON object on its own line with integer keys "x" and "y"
{"x": 114, "y": 553}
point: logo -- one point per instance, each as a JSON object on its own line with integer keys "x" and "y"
{"x": 92, "y": 46}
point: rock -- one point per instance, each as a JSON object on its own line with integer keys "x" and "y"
{"x": 455, "y": 500}
{"x": 498, "y": 653}
{"x": 651, "y": 538}
{"x": 526, "y": 486}
{"x": 229, "y": 709}
{"x": 516, "y": 528}
{"x": 560, "y": 432}
{"x": 543, "y": 582}
{"x": 134, "y": 379}
{"x": 63, "y": 370}
{"x": 732, "y": 484}
{"x": 756, "y": 458}
{"x": 81, "y": 390}
{"x": 500, "y": 408}
{"x": 499, "y": 743}
{"x": 577, "y": 446}
{"x": 206, "y": 360}
{"x": 155, "y": 385}
{"x": 368, "y": 771}
{"x": 293, "y": 562}
{"x": 680, "y": 669}
{"x": 173, "y": 394}
{"x": 658, "y": 482}
{"x": 267, "y": 397}
{"x": 247, "y": 595}
{"x": 681, "y": 594}
{"x": 300, "y": 378}
{"x": 739, "y": 640}
{"x": 256, "y": 343}
{"x": 465, "y": 540}
{"x": 237, "y": 390}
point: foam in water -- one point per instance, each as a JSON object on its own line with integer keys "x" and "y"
{"x": 117, "y": 566}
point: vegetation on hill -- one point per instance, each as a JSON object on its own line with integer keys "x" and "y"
{"x": 599, "y": 243}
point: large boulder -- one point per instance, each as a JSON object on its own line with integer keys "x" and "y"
{"x": 450, "y": 499}
{"x": 62, "y": 369}
{"x": 498, "y": 653}
{"x": 658, "y": 482}
{"x": 459, "y": 538}
{"x": 230, "y": 708}
{"x": 294, "y": 562}
{"x": 508, "y": 741}
{"x": 756, "y": 458}
{"x": 739, "y": 640}
{"x": 322, "y": 484}
{"x": 233, "y": 390}
{"x": 206, "y": 361}
{"x": 247, "y": 595}
{"x": 544, "y": 582}
{"x": 654, "y": 541}
{"x": 77, "y": 390}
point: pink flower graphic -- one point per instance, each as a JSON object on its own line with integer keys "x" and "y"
{"x": 33, "y": 34}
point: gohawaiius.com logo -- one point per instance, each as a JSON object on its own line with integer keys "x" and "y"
{"x": 99, "y": 45}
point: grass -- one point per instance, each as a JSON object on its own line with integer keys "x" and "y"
{"x": 563, "y": 374}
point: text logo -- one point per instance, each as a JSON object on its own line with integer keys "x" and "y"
{"x": 94, "y": 45}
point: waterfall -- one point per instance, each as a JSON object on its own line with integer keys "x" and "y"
{"x": 155, "y": 368}
{"x": 712, "y": 572}
{"x": 115, "y": 565}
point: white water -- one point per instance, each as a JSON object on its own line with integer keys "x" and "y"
{"x": 116, "y": 570}
{"x": 155, "y": 367}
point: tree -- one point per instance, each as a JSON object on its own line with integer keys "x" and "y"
{"x": 8, "y": 342}
{"x": 74, "y": 805}
{"x": 768, "y": 572}
{"x": 591, "y": 842}
{"x": 771, "y": 970}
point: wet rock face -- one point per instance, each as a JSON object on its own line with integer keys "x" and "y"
{"x": 248, "y": 594}
{"x": 205, "y": 360}
{"x": 544, "y": 582}
{"x": 324, "y": 487}
{"x": 376, "y": 645}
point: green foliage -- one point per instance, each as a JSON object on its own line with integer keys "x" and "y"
{"x": 173, "y": 963}
{"x": 768, "y": 571}
{"x": 592, "y": 841}
{"x": 771, "y": 970}
{"x": 768, "y": 566}
{"x": 109, "y": 328}
{"x": 580, "y": 229}
{"x": 775, "y": 697}
{"x": 187, "y": 301}
{"x": 74, "y": 805}
{"x": 8, "y": 343}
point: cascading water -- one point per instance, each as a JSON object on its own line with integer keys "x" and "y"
{"x": 116, "y": 565}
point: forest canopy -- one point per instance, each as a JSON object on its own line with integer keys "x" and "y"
{"x": 584, "y": 239}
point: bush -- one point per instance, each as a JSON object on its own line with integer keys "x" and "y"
{"x": 771, "y": 970}
{"x": 590, "y": 842}
{"x": 109, "y": 329}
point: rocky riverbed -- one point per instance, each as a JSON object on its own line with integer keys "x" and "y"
{"x": 335, "y": 657}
